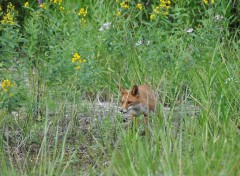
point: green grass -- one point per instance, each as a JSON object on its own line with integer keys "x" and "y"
{"x": 54, "y": 125}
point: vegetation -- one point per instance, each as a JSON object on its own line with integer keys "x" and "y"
{"x": 60, "y": 62}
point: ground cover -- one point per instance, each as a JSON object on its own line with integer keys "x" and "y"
{"x": 61, "y": 61}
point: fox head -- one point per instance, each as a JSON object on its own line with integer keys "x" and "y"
{"x": 130, "y": 100}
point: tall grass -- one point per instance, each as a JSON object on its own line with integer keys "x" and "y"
{"x": 62, "y": 120}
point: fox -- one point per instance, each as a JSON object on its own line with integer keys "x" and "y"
{"x": 137, "y": 101}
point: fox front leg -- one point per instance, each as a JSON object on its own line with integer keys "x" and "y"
{"x": 146, "y": 119}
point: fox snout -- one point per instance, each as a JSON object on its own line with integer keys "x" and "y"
{"x": 122, "y": 110}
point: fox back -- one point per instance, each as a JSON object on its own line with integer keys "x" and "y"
{"x": 139, "y": 100}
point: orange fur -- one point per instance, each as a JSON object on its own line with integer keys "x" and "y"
{"x": 139, "y": 100}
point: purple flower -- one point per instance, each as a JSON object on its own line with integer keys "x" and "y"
{"x": 39, "y": 2}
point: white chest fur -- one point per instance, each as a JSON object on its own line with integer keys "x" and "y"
{"x": 138, "y": 109}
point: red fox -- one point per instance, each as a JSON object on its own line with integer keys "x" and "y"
{"x": 139, "y": 100}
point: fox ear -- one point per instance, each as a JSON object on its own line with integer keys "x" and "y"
{"x": 134, "y": 90}
{"x": 122, "y": 90}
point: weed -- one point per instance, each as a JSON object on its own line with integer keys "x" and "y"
{"x": 61, "y": 61}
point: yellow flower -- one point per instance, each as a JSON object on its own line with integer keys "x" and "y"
{"x": 77, "y": 56}
{"x": 43, "y": 6}
{"x": 62, "y": 8}
{"x": 82, "y": 12}
{"x": 118, "y": 13}
{"x": 165, "y": 13}
{"x": 139, "y": 6}
{"x": 9, "y": 16}
{"x": 55, "y": 1}
{"x": 26, "y": 4}
{"x": 10, "y": 6}
{"x": 10, "y": 94}
{"x": 116, "y": 1}
{"x": 6, "y": 84}
{"x": 152, "y": 16}
{"x": 8, "y": 19}
{"x": 124, "y": 5}
{"x": 83, "y": 20}
{"x": 156, "y": 9}
{"x": 207, "y": 1}
{"x": 73, "y": 59}
{"x": 163, "y": 7}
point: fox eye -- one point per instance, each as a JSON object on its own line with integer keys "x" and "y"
{"x": 129, "y": 102}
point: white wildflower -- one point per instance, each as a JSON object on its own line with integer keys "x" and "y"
{"x": 139, "y": 42}
{"x": 190, "y": 30}
{"x": 230, "y": 80}
{"x": 148, "y": 42}
{"x": 218, "y": 17}
{"x": 142, "y": 42}
{"x": 105, "y": 26}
